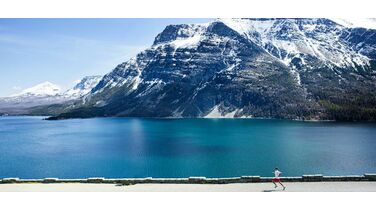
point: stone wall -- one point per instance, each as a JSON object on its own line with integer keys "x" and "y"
{"x": 197, "y": 180}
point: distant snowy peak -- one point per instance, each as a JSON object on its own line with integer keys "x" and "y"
{"x": 48, "y": 89}
{"x": 83, "y": 87}
{"x": 40, "y": 90}
{"x": 46, "y": 94}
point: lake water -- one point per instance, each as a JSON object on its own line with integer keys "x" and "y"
{"x": 130, "y": 147}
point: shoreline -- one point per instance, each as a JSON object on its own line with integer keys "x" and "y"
{"x": 46, "y": 118}
{"x": 368, "y": 177}
{"x": 54, "y": 118}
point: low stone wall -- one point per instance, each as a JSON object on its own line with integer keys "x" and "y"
{"x": 196, "y": 180}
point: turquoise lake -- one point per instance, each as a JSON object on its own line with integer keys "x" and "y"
{"x": 132, "y": 147}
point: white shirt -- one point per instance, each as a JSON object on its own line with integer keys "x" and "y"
{"x": 277, "y": 173}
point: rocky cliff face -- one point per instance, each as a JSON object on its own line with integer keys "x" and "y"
{"x": 280, "y": 68}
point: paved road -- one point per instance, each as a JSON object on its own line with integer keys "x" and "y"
{"x": 243, "y": 187}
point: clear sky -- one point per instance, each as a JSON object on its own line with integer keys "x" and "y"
{"x": 63, "y": 51}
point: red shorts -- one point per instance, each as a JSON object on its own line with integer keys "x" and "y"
{"x": 276, "y": 180}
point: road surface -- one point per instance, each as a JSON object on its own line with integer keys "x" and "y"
{"x": 236, "y": 187}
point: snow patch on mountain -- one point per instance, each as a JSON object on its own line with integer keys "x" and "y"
{"x": 187, "y": 42}
{"x": 137, "y": 79}
{"x": 216, "y": 113}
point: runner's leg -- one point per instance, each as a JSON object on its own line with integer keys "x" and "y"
{"x": 275, "y": 185}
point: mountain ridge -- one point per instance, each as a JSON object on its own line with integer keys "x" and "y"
{"x": 273, "y": 68}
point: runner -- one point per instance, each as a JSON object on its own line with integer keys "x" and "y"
{"x": 276, "y": 178}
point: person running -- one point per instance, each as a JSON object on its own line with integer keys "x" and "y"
{"x": 276, "y": 178}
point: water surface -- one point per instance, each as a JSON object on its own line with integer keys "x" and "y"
{"x": 130, "y": 147}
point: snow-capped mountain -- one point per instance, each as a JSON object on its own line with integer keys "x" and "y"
{"x": 281, "y": 68}
{"x": 40, "y": 90}
{"x": 45, "y": 93}
{"x": 40, "y": 94}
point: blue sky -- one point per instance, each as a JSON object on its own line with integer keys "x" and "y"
{"x": 63, "y": 51}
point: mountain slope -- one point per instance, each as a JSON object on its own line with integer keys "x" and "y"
{"x": 281, "y": 68}
{"x": 82, "y": 88}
